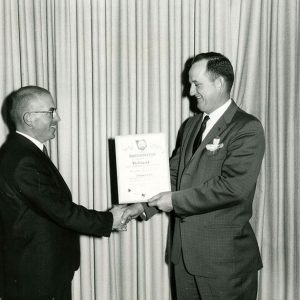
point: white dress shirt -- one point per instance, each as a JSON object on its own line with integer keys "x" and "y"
{"x": 214, "y": 117}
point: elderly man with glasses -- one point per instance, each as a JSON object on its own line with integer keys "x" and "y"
{"x": 39, "y": 223}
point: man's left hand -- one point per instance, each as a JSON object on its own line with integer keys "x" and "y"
{"x": 163, "y": 201}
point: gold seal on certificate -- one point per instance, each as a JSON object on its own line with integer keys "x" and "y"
{"x": 142, "y": 166}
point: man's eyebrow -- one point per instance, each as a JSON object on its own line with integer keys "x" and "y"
{"x": 52, "y": 109}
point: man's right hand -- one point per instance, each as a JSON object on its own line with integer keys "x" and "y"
{"x": 118, "y": 211}
{"x": 131, "y": 212}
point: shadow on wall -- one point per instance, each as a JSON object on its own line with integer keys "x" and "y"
{"x": 186, "y": 86}
{"x": 5, "y": 112}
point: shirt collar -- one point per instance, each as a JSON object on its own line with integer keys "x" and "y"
{"x": 35, "y": 141}
{"x": 216, "y": 114}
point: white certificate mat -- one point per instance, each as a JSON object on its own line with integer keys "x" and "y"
{"x": 142, "y": 166}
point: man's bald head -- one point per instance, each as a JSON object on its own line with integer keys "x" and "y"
{"x": 23, "y": 100}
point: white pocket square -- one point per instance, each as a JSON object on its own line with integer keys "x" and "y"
{"x": 215, "y": 145}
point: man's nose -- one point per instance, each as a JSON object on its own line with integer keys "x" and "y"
{"x": 192, "y": 90}
{"x": 56, "y": 117}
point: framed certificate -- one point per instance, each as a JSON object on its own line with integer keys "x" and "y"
{"x": 142, "y": 166}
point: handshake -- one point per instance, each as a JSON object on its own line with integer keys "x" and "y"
{"x": 123, "y": 214}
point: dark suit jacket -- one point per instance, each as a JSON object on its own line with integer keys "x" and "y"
{"x": 39, "y": 223}
{"x": 213, "y": 195}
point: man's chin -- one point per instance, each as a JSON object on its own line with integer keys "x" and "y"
{"x": 200, "y": 107}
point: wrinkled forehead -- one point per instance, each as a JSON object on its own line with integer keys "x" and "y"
{"x": 42, "y": 102}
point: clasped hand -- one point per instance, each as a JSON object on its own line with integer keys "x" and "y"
{"x": 124, "y": 214}
{"x": 117, "y": 212}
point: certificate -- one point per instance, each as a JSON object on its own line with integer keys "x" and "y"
{"x": 142, "y": 166}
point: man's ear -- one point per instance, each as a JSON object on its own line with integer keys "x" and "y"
{"x": 27, "y": 119}
{"x": 220, "y": 83}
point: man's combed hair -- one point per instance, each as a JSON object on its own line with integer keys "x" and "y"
{"x": 21, "y": 99}
{"x": 217, "y": 65}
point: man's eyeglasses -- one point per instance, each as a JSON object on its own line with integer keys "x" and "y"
{"x": 51, "y": 111}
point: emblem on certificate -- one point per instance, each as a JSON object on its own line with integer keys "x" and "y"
{"x": 142, "y": 166}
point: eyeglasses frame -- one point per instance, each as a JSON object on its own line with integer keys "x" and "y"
{"x": 51, "y": 112}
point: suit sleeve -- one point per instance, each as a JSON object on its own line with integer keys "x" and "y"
{"x": 236, "y": 181}
{"x": 175, "y": 158}
{"x": 42, "y": 193}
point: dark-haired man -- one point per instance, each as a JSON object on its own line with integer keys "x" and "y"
{"x": 213, "y": 174}
{"x": 39, "y": 223}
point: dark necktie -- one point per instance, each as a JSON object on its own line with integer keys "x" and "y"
{"x": 45, "y": 150}
{"x": 198, "y": 138}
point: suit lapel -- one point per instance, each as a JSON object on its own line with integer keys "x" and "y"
{"x": 217, "y": 129}
{"x": 24, "y": 142}
{"x": 194, "y": 128}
